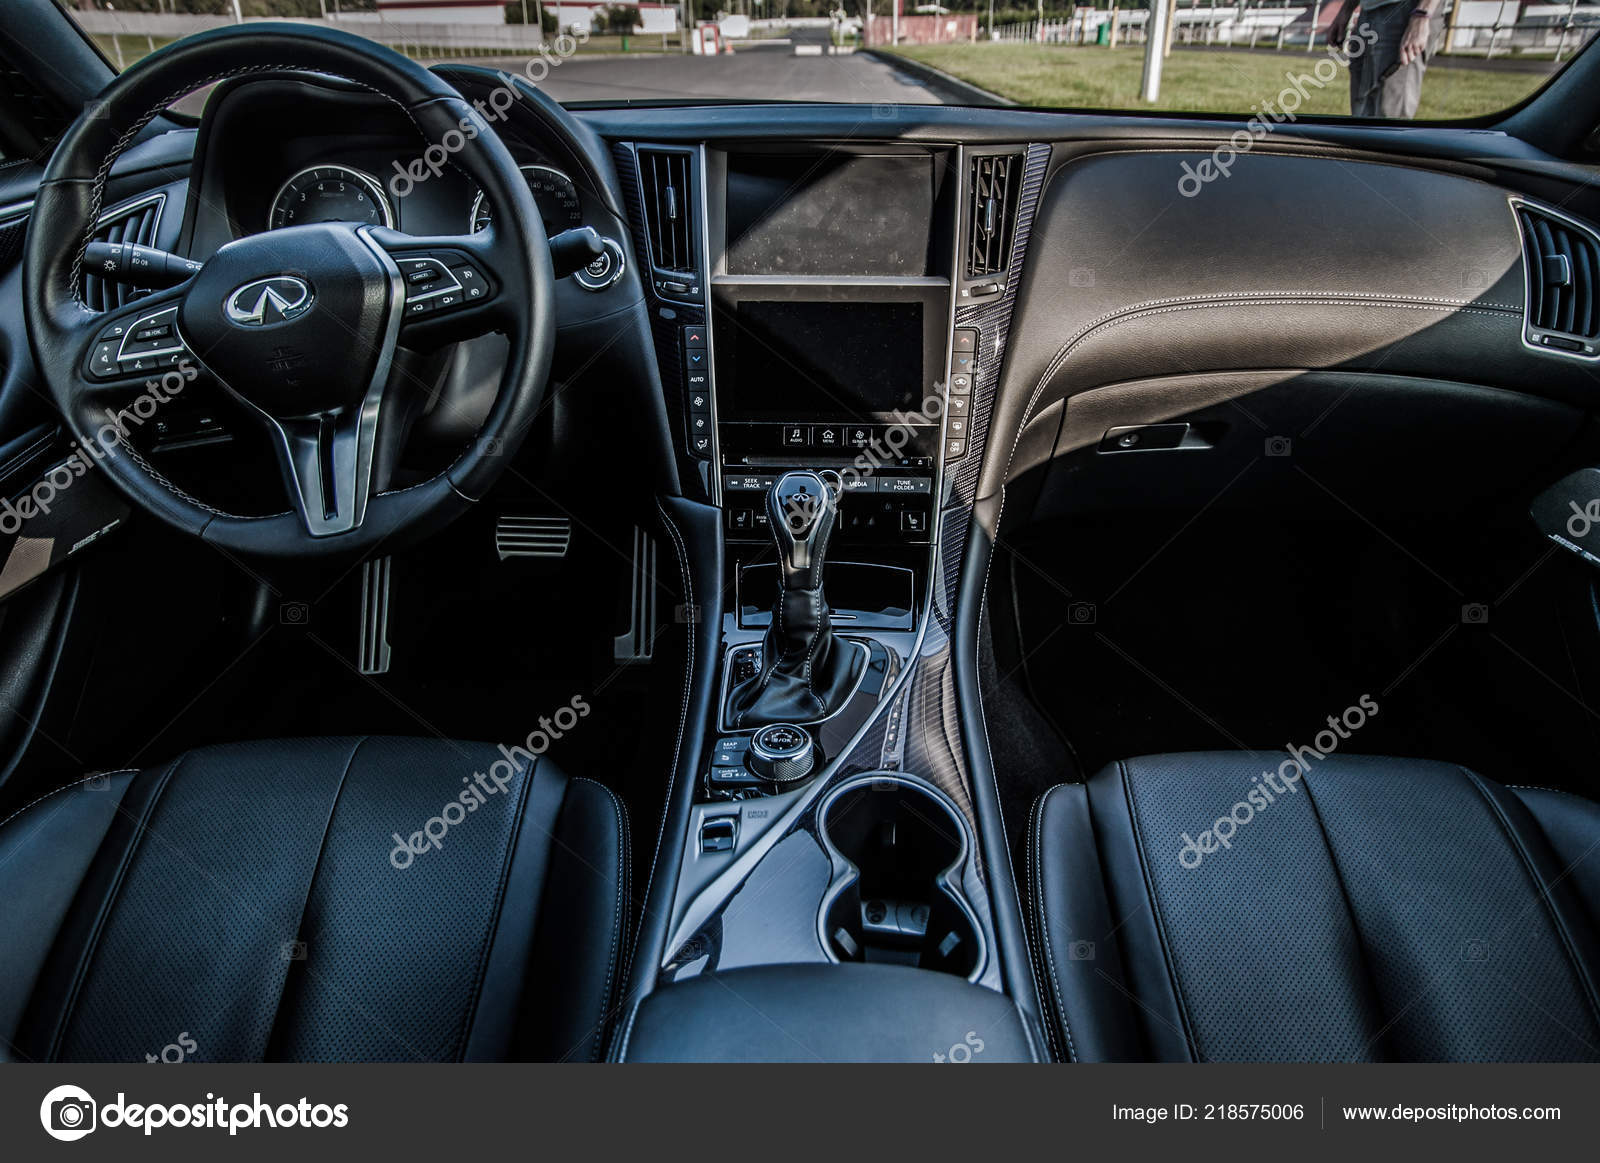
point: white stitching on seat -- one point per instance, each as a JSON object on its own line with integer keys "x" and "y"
{"x": 1036, "y": 857}
{"x": 1560, "y": 791}
{"x": 68, "y": 787}
{"x": 1541, "y": 890}
{"x": 613, "y": 960}
{"x": 627, "y": 1033}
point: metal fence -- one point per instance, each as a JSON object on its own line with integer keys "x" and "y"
{"x": 1485, "y": 28}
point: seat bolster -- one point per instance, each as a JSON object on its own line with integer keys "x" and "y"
{"x": 1080, "y": 972}
{"x": 1570, "y": 825}
{"x": 581, "y": 932}
{"x": 46, "y": 849}
{"x": 1138, "y": 928}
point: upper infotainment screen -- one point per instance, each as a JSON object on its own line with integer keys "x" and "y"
{"x": 830, "y": 213}
{"x": 828, "y": 361}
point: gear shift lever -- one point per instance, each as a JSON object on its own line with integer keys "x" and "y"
{"x": 802, "y": 509}
{"x": 807, "y": 674}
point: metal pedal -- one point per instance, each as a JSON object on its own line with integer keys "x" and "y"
{"x": 374, "y": 649}
{"x": 527, "y": 535}
{"x": 637, "y": 645}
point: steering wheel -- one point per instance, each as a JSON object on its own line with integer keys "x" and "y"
{"x": 301, "y": 324}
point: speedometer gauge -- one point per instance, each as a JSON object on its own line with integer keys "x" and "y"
{"x": 553, "y": 192}
{"x": 330, "y": 194}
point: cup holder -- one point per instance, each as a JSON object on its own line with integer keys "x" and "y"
{"x": 899, "y": 849}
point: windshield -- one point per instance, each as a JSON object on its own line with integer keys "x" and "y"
{"x": 1272, "y": 61}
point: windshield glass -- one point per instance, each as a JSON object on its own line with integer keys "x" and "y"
{"x": 1272, "y": 60}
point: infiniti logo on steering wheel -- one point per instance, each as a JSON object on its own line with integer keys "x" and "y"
{"x": 271, "y": 300}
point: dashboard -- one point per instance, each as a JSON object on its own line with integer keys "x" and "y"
{"x": 806, "y": 292}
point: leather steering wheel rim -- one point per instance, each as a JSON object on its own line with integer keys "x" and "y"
{"x": 514, "y": 252}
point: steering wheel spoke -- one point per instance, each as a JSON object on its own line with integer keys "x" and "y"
{"x": 455, "y": 284}
{"x": 126, "y": 349}
{"x": 327, "y": 464}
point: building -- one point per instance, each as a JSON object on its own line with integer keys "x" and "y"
{"x": 653, "y": 16}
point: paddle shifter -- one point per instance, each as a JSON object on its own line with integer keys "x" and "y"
{"x": 806, "y": 673}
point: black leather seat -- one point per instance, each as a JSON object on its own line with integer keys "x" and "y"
{"x": 267, "y": 901}
{"x": 1376, "y": 909}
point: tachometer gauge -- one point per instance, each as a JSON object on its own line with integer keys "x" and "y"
{"x": 553, "y": 192}
{"x": 330, "y": 194}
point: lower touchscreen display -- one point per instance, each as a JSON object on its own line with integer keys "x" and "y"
{"x": 826, "y": 361}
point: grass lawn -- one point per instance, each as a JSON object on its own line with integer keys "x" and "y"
{"x": 1196, "y": 81}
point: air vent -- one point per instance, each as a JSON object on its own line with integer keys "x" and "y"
{"x": 993, "y": 193}
{"x": 131, "y": 222}
{"x": 1563, "y": 264}
{"x": 668, "y": 209}
{"x": 532, "y": 536}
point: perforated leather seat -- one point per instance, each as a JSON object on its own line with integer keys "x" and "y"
{"x": 1373, "y": 909}
{"x": 345, "y": 899}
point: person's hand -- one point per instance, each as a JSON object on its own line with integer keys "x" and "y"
{"x": 1341, "y": 23}
{"x": 1414, "y": 44}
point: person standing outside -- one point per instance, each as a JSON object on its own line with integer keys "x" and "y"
{"x": 1403, "y": 35}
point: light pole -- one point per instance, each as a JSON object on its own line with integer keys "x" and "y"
{"x": 1154, "y": 51}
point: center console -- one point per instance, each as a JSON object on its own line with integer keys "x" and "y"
{"x": 822, "y": 308}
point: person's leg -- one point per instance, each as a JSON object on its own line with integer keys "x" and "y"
{"x": 1402, "y": 93}
{"x": 1380, "y": 33}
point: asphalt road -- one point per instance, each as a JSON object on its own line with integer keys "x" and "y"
{"x": 761, "y": 72}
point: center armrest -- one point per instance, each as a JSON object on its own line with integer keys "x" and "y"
{"x": 827, "y": 1013}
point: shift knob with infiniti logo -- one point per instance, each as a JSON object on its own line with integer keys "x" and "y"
{"x": 802, "y": 507}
